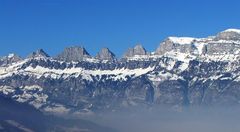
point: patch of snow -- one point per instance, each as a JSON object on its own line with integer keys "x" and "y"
{"x": 216, "y": 77}
{"x": 162, "y": 76}
{"x": 232, "y": 30}
{"x": 28, "y": 93}
{"x": 92, "y": 60}
{"x": 183, "y": 66}
{"x": 120, "y": 73}
{"x": 220, "y": 57}
{"x": 224, "y": 42}
{"x": 57, "y": 108}
{"x": 184, "y": 57}
{"x": 11, "y": 68}
{"x": 11, "y": 55}
{"x": 40, "y": 100}
{"x": 24, "y": 97}
{"x": 225, "y": 78}
{"x": 237, "y": 79}
{"x": 182, "y": 40}
{"x": 32, "y": 87}
{"x": 169, "y": 65}
{"x": 199, "y": 47}
{"x": 140, "y": 58}
{"x": 7, "y": 90}
{"x": 39, "y": 71}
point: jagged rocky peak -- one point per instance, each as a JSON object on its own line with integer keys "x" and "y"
{"x": 229, "y": 34}
{"x": 177, "y": 44}
{"x": 39, "y": 53}
{"x": 74, "y": 53}
{"x": 11, "y": 58}
{"x": 105, "y": 54}
{"x": 137, "y": 50}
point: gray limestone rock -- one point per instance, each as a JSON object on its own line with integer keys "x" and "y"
{"x": 106, "y": 54}
{"x": 137, "y": 50}
{"x": 168, "y": 45}
{"x": 221, "y": 48}
{"x": 73, "y": 54}
{"x": 230, "y": 34}
{"x": 38, "y": 53}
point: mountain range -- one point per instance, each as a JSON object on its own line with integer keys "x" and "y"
{"x": 182, "y": 72}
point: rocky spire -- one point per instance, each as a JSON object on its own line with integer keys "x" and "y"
{"x": 73, "y": 54}
{"x": 38, "y": 53}
{"x": 105, "y": 54}
{"x": 137, "y": 50}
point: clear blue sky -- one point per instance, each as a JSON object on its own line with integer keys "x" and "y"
{"x": 27, "y": 25}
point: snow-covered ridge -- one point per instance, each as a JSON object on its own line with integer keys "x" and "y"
{"x": 182, "y": 40}
{"x": 225, "y": 41}
{"x": 232, "y": 30}
{"x": 39, "y": 71}
{"x": 87, "y": 74}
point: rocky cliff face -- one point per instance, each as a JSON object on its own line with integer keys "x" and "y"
{"x": 226, "y": 42}
{"x": 106, "y": 54}
{"x": 177, "y": 44}
{"x": 137, "y": 50}
{"x": 230, "y": 34}
{"x": 182, "y": 72}
{"x": 73, "y": 54}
